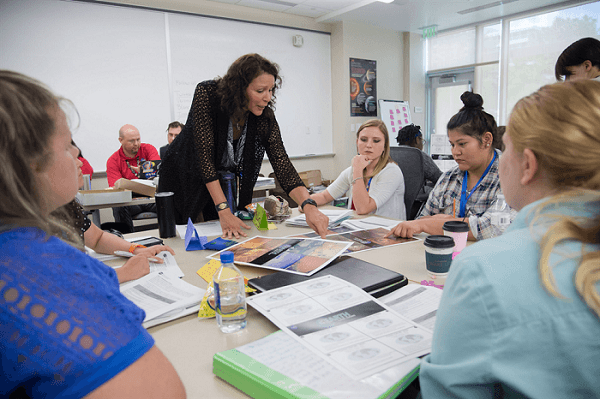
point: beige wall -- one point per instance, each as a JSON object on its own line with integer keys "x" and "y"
{"x": 348, "y": 39}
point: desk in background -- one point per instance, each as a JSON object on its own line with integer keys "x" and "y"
{"x": 95, "y": 209}
{"x": 190, "y": 343}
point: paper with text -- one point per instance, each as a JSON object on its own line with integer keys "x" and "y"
{"x": 344, "y": 325}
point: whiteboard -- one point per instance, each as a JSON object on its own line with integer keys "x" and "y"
{"x": 395, "y": 114}
{"x": 122, "y": 65}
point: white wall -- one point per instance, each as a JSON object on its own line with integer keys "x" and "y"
{"x": 348, "y": 39}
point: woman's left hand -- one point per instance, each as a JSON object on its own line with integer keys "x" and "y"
{"x": 231, "y": 225}
{"x": 152, "y": 251}
{"x": 360, "y": 162}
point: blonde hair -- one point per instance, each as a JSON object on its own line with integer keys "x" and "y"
{"x": 385, "y": 158}
{"x": 26, "y": 128}
{"x": 560, "y": 123}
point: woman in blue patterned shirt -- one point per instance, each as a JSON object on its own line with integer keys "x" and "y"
{"x": 467, "y": 191}
{"x": 66, "y": 329}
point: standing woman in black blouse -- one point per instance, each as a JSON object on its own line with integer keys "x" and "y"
{"x": 230, "y": 126}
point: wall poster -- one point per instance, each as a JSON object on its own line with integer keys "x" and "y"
{"x": 363, "y": 87}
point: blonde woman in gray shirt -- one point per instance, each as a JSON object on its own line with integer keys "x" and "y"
{"x": 374, "y": 183}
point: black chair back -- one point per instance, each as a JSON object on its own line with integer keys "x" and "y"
{"x": 411, "y": 163}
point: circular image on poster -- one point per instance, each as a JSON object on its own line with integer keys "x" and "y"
{"x": 409, "y": 339}
{"x": 379, "y": 323}
{"x": 340, "y": 297}
{"x": 369, "y": 76}
{"x": 370, "y": 104}
{"x": 360, "y": 99}
{"x": 364, "y": 354}
{"x": 318, "y": 286}
{"x": 368, "y": 88}
{"x": 335, "y": 337}
{"x": 297, "y": 310}
{"x": 354, "y": 88}
{"x": 279, "y": 297}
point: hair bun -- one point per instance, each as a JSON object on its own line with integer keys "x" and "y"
{"x": 472, "y": 100}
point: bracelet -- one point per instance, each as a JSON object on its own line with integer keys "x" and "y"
{"x": 132, "y": 247}
{"x": 355, "y": 180}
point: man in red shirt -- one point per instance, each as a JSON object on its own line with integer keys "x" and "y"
{"x": 126, "y": 163}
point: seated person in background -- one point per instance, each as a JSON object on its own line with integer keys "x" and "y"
{"x": 127, "y": 163}
{"x": 468, "y": 190}
{"x": 67, "y": 330}
{"x": 411, "y": 136}
{"x": 106, "y": 243}
{"x": 500, "y": 145}
{"x": 581, "y": 60}
{"x": 520, "y": 314}
{"x": 374, "y": 182}
{"x": 172, "y": 131}
{"x": 86, "y": 168}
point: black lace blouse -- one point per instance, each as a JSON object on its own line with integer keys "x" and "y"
{"x": 190, "y": 161}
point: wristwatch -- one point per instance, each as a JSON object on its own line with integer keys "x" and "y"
{"x": 308, "y": 201}
{"x": 221, "y": 206}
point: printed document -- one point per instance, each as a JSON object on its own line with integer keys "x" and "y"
{"x": 344, "y": 325}
{"x": 163, "y": 295}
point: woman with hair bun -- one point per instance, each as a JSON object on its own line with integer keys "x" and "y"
{"x": 520, "y": 313}
{"x": 467, "y": 191}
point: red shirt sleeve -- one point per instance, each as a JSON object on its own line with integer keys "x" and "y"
{"x": 86, "y": 169}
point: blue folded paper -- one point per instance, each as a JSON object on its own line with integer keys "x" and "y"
{"x": 193, "y": 242}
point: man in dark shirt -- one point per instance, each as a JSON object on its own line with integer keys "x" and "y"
{"x": 172, "y": 131}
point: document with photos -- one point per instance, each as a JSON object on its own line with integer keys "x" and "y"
{"x": 363, "y": 240}
{"x": 295, "y": 255}
{"x": 163, "y": 296}
{"x": 344, "y": 325}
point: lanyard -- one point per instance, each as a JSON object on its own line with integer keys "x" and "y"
{"x": 133, "y": 170}
{"x": 368, "y": 186}
{"x": 463, "y": 195}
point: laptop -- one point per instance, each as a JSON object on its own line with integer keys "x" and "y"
{"x": 373, "y": 279}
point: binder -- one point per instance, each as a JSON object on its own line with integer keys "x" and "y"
{"x": 375, "y": 280}
{"x": 279, "y": 379}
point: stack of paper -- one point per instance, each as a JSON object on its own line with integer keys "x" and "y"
{"x": 264, "y": 181}
{"x": 163, "y": 296}
{"x": 336, "y": 216}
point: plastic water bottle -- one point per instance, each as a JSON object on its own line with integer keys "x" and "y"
{"x": 230, "y": 295}
{"x": 500, "y": 212}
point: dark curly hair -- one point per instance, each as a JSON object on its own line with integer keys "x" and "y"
{"x": 473, "y": 121}
{"x": 232, "y": 87}
{"x": 586, "y": 49}
{"x": 408, "y": 135}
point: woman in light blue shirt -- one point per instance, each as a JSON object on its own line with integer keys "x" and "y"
{"x": 519, "y": 315}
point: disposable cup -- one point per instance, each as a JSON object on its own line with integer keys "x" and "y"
{"x": 459, "y": 231}
{"x": 438, "y": 256}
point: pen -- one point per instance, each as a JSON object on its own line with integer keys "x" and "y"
{"x": 130, "y": 255}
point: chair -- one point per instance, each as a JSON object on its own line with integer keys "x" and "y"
{"x": 144, "y": 216}
{"x": 410, "y": 161}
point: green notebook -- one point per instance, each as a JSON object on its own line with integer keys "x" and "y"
{"x": 278, "y": 366}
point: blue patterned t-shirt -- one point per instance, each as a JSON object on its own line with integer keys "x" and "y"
{"x": 65, "y": 329}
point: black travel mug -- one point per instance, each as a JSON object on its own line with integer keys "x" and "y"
{"x": 165, "y": 207}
